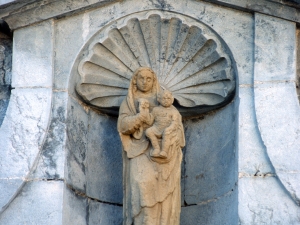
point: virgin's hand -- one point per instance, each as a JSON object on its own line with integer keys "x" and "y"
{"x": 144, "y": 117}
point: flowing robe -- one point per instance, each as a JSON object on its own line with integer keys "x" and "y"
{"x": 151, "y": 189}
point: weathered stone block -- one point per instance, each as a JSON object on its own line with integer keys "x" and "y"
{"x": 5, "y": 61}
{"x": 104, "y": 160}
{"x": 9, "y": 187}
{"x": 39, "y": 202}
{"x": 75, "y": 208}
{"x": 77, "y": 129}
{"x": 32, "y": 58}
{"x": 253, "y": 158}
{"x": 278, "y": 116}
{"x": 104, "y": 214}
{"x": 23, "y": 130}
{"x": 52, "y": 159}
{"x": 210, "y": 159}
{"x": 66, "y": 49}
{"x": 3, "y": 107}
{"x": 75, "y": 172}
{"x": 76, "y": 144}
{"x": 264, "y": 201}
{"x": 275, "y": 49}
{"x": 218, "y": 211}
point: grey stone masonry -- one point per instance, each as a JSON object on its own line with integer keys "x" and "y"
{"x": 5, "y": 73}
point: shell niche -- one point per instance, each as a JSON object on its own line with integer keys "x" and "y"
{"x": 190, "y": 61}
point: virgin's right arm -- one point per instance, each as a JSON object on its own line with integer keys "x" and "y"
{"x": 129, "y": 124}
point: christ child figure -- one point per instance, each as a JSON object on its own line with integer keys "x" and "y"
{"x": 166, "y": 122}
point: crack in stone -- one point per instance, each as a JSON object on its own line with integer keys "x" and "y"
{"x": 213, "y": 199}
{"x": 257, "y": 174}
{"x": 82, "y": 194}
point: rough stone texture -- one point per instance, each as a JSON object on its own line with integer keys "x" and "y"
{"x": 22, "y": 132}
{"x": 76, "y": 145}
{"x": 11, "y": 187}
{"x": 104, "y": 160}
{"x": 94, "y": 163}
{"x": 25, "y": 125}
{"x": 274, "y": 8}
{"x": 273, "y": 38}
{"x": 29, "y": 156}
{"x": 52, "y": 158}
{"x": 265, "y": 201}
{"x": 210, "y": 166}
{"x": 5, "y": 60}
{"x": 276, "y": 103}
{"x": 253, "y": 158}
{"x": 104, "y": 214}
{"x": 298, "y": 63}
{"x": 32, "y": 58}
{"x": 39, "y": 202}
{"x": 280, "y": 136}
{"x": 64, "y": 31}
{"x": 43, "y": 10}
{"x": 4, "y": 102}
{"x": 75, "y": 208}
{"x": 5, "y": 74}
{"x": 217, "y": 211}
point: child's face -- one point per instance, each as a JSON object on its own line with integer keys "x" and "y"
{"x": 166, "y": 99}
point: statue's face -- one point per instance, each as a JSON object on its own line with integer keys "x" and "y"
{"x": 144, "y": 81}
{"x": 166, "y": 100}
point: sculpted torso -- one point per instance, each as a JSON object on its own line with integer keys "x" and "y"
{"x": 151, "y": 164}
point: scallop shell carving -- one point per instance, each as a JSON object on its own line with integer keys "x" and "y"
{"x": 194, "y": 64}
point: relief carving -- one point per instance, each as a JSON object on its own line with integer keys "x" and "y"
{"x": 189, "y": 61}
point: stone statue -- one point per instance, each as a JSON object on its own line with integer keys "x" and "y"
{"x": 151, "y": 178}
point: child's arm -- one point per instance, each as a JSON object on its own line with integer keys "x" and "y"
{"x": 174, "y": 124}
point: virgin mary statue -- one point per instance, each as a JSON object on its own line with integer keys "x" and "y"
{"x": 151, "y": 186}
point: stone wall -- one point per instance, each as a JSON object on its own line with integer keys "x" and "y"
{"x": 5, "y": 73}
{"x": 61, "y": 159}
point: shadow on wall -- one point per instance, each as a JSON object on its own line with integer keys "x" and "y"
{"x": 5, "y": 67}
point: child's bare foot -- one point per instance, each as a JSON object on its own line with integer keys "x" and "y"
{"x": 155, "y": 152}
{"x": 163, "y": 154}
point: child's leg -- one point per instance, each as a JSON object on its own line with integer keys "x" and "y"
{"x": 150, "y": 133}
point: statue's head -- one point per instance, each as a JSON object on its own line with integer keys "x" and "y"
{"x": 143, "y": 79}
{"x": 165, "y": 98}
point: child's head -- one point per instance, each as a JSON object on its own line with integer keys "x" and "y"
{"x": 165, "y": 98}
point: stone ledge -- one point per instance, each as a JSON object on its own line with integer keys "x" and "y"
{"x": 268, "y": 7}
{"x": 23, "y": 13}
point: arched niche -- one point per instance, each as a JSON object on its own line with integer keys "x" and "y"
{"x": 94, "y": 151}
